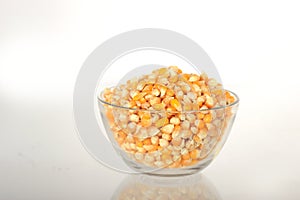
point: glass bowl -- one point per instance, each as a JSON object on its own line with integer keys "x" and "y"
{"x": 189, "y": 147}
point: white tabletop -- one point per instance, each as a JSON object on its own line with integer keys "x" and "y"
{"x": 43, "y": 45}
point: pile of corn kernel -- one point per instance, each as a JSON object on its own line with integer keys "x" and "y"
{"x": 168, "y": 122}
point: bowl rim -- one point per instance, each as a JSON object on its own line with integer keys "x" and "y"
{"x": 237, "y": 100}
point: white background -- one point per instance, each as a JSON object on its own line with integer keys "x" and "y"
{"x": 255, "y": 45}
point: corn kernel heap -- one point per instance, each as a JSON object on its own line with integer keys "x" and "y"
{"x": 169, "y": 123}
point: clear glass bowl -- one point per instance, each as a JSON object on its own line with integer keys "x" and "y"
{"x": 190, "y": 147}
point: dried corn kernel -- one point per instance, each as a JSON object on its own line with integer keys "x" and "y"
{"x": 163, "y": 142}
{"x": 166, "y": 136}
{"x": 139, "y": 143}
{"x": 194, "y": 78}
{"x": 161, "y": 122}
{"x": 209, "y": 101}
{"x": 175, "y": 104}
{"x": 195, "y": 154}
{"x": 146, "y": 120}
{"x": 159, "y": 106}
{"x": 154, "y": 140}
{"x": 154, "y": 100}
{"x": 175, "y": 120}
{"x": 138, "y": 96}
{"x": 155, "y": 92}
{"x": 167, "y": 128}
{"x": 134, "y": 118}
{"x": 176, "y": 69}
{"x": 207, "y": 118}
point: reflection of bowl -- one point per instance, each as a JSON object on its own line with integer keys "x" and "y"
{"x": 186, "y": 150}
{"x": 145, "y": 187}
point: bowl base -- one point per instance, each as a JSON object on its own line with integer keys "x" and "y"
{"x": 170, "y": 172}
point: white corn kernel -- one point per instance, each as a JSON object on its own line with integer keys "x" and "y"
{"x": 163, "y": 143}
{"x": 175, "y": 120}
{"x": 167, "y": 128}
{"x": 134, "y": 118}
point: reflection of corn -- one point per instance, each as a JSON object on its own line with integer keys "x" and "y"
{"x": 158, "y": 133}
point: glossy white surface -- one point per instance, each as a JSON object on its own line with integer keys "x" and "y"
{"x": 255, "y": 46}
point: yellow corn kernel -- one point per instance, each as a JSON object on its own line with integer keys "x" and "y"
{"x": 194, "y": 78}
{"x": 141, "y": 149}
{"x": 201, "y": 124}
{"x": 146, "y": 120}
{"x": 175, "y": 164}
{"x": 186, "y": 76}
{"x": 139, "y": 96}
{"x": 230, "y": 99}
{"x": 142, "y": 100}
{"x": 162, "y": 89}
{"x": 200, "y": 115}
{"x": 132, "y": 103}
{"x": 175, "y": 104}
{"x": 170, "y": 109}
{"x": 133, "y": 93}
{"x": 194, "y": 154}
{"x": 155, "y": 92}
{"x": 204, "y": 89}
{"x": 148, "y": 97}
{"x": 209, "y": 101}
{"x": 148, "y": 88}
{"x": 140, "y": 86}
{"x": 110, "y": 116}
{"x": 154, "y": 100}
{"x": 154, "y": 148}
{"x": 162, "y": 70}
{"x": 121, "y": 134}
{"x": 207, "y": 118}
{"x": 196, "y": 87}
{"x": 147, "y": 141}
{"x": 194, "y": 162}
{"x": 170, "y": 93}
{"x": 120, "y": 140}
{"x": 159, "y": 148}
{"x": 195, "y": 106}
{"x": 166, "y": 156}
{"x": 145, "y": 105}
{"x": 187, "y": 107}
{"x": 167, "y": 128}
{"x": 197, "y": 139}
{"x": 203, "y": 77}
{"x": 161, "y": 122}
{"x": 139, "y": 143}
{"x": 176, "y": 69}
{"x": 175, "y": 120}
{"x": 167, "y": 100}
{"x": 176, "y": 141}
{"x": 186, "y": 156}
{"x": 200, "y": 100}
{"x": 148, "y": 147}
{"x": 166, "y": 136}
{"x": 159, "y": 106}
{"x": 154, "y": 140}
{"x": 173, "y": 79}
